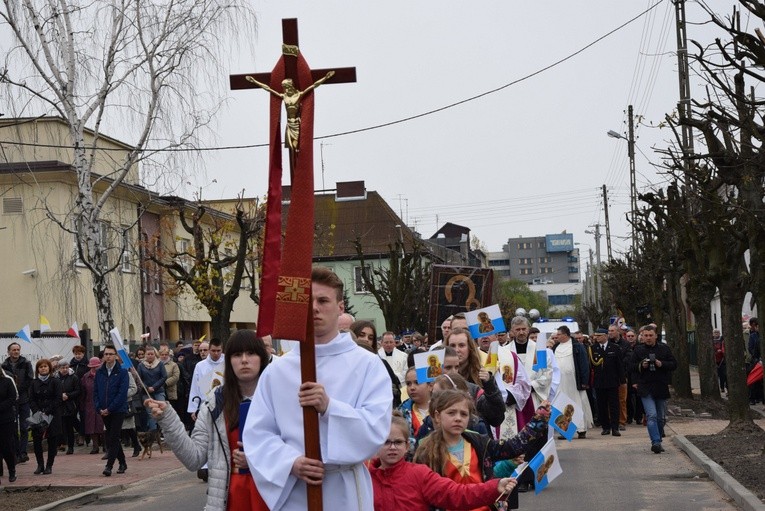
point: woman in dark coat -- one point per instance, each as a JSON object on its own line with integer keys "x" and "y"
{"x": 79, "y": 364}
{"x": 92, "y": 424}
{"x": 70, "y": 386}
{"x": 8, "y": 430}
{"x": 45, "y": 395}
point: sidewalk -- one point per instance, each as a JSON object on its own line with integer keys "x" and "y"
{"x": 83, "y": 469}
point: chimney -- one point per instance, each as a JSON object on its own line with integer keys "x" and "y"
{"x": 350, "y": 190}
{"x": 464, "y": 248}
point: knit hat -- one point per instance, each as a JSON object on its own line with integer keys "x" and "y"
{"x": 94, "y": 362}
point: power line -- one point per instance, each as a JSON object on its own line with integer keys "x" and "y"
{"x": 383, "y": 125}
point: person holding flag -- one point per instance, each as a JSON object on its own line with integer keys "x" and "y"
{"x": 544, "y": 376}
{"x": 574, "y": 375}
{"x": 216, "y": 438}
{"x": 110, "y": 396}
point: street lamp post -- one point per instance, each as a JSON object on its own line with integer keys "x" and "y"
{"x": 633, "y": 189}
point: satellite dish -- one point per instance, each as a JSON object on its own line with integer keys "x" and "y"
{"x": 534, "y": 314}
{"x": 520, "y": 311}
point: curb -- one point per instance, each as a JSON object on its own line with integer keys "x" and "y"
{"x": 96, "y": 493}
{"x": 743, "y": 497}
{"x": 84, "y": 497}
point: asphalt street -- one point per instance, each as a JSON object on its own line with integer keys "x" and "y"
{"x": 599, "y": 473}
{"x": 178, "y": 489}
{"x": 607, "y": 473}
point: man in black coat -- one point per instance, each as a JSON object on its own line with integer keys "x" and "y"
{"x": 22, "y": 372}
{"x": 653, "y": 364}
{"x": 608, "y": 367}
{"x": 8, "y": 398}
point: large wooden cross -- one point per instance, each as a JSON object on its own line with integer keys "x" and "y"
{"x": 290, "y": 50}
{"x": 290, "y": 38}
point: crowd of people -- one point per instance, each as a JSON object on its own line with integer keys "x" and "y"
{"x": 95, "y": 402}
{"x": 232, "y": 411}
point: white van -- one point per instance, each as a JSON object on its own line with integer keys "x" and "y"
{"x": 550, "y": 326}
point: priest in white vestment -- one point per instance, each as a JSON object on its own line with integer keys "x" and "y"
{"x": 574, "y": 375}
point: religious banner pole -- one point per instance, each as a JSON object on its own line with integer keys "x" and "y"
{"x": 286, "y": 304}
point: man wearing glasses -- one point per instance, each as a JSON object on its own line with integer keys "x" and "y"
{"x": 110, "y": 395}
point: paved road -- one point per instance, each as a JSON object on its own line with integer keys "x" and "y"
{"x": 607, "y": 473}
{"x": 178, "y": 489}
{"x": 599, "y": 473}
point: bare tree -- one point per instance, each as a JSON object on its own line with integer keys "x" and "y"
{"x": 223, "y": 254}
{"x": 402, "y": 290}
{"x": 119, "y": 65}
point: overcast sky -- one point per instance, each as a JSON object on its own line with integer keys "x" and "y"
{"x": 527, "y": 160}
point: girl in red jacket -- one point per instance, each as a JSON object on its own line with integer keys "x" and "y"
{"x": 467, "y": 457}
{"x": 399, "y": 484}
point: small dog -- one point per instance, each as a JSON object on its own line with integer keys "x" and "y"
{"x": 147, "y": 439}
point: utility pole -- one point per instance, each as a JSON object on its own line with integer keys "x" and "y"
{"x": 633, "y": 188}
{"x": 598, "y": 271}
{"x": 608, "y": 224}
{"x": 591, "y": 285}
{"x": 598, "y": 268}
{"x": 684, "y": 105}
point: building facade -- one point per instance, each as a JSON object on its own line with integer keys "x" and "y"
{"x": 549, "y": 259}
{"x": 42, "y": 269}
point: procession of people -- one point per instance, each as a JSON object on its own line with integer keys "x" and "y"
{"x": 458, "y": 430}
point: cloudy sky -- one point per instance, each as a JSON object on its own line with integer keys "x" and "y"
{"x": 526, "y": 160}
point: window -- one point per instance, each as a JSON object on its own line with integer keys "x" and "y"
{"x": 560, "y": 299}
{"x": 183, "y": 253}
{"x": 144, "y": 263}
{"x": 499, "y": 262}
{"x": 546, "y": 270}
{"x": 524, "y": 260}
{"x": 125, "y": 257}
{"x": 358, "y": 280}
{"x": 524, "y": 245}
{"x": 573, "y": 269}
{"x": 76, "y": 227}
{"x": 103, "y": 243}
{"x": 527, "y": 271}
{"x": 546, "y": 259}
{"x": 157, "y": 270}
{"x": 573, "y": 259}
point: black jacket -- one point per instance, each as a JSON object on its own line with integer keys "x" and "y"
{"x": 80, "y": 367}
{"x": 8, "y": 398}
{"x": 70, "y": 385}
{"x": 608, "y": 365}
{"x": 23, "y": 374}
{"x": 46, "y": 396}
{"x": 653, "y": 383}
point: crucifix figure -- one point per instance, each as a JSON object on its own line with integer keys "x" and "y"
{"x": 291, "y": 97}
{"x": 319, "y": 460}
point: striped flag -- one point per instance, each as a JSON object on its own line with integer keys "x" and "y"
{"x": 546, "y": 466}
{"x": 44, "y": 324}
{"x": 120, "y": 347}
{"x": 25, "y": 334}
{"x": 540, "y": 360}
{"x": 73, "y": 331}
